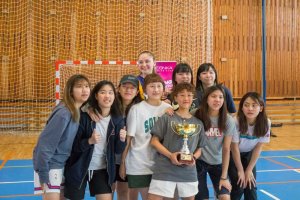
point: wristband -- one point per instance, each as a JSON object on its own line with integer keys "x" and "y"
{"x": 224, "y": 179}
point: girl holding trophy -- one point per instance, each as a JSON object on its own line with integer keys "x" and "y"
{"x": 219, "y": 127}
{"x": 175, "y": 162}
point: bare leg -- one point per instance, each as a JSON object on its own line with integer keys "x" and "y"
{"x": 51, "y": 196}
{"x": 224, "y": 197}
{"x": 122, "y": 190}
{"x": 107, "y": 196}
{"x": 155, "y": 197}
{"x": 144, "y": 193}
{"x": 133, "y": 193}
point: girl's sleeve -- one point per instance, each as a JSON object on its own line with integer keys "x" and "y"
{"x": 47, "y": 144}
{"x": 230, "y": 126}
{"x": 120, "y": 146}
{"x": 81, "y": 143}
{"x": 202, "y": 137}
{"x": 236, "y": 133}
{"x": 266, "y": 138}
{"x": 132, "y": 121}
{"x": 160, "y": 127}
{"x": 229, "y": 101}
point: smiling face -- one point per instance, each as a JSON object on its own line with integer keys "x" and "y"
{"x": 154, "y": 90}
{"x": 208, "y": 77}
{"x": 184, "y": 99}
{"x": 128, "y": 91}
{"x": 105, "y": 97}
{"x": 251, "y": 109}
{"x": 215, "y": 101}
{"x": 146, "y": 64}
{"x": 183, "y": 77}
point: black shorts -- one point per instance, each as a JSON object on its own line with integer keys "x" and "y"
{"x": 118, "y": 178}
{"x": 98, "y": 185}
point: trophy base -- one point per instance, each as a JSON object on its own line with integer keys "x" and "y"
{"x": 185, "y": 158}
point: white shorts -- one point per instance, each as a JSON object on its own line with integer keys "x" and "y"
{"x": 56, "y": 179}
{"x": 167, "y": 188}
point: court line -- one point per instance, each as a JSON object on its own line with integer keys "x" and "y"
{"x": 6, "y": 158}
{"x": 279, "y": 163}
{"x": 14, "y": 182}
{"x": 19, "y": 195}
{"x": 19, "y": 166}
{"x": 278, "y": 170}
{"x": 278, "y": 182}
{"x": 258, "y": 183}
{"x": 270, "y": 195}
{"x": 293, "y": 158}
{"x": 277, "y": 156}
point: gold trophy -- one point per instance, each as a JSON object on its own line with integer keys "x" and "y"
{"x": 185, "y": 130}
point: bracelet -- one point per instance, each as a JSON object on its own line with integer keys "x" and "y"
{"x": 224, "y": 179}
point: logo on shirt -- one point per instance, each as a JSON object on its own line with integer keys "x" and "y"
{"x": 214, "y": 132}
{"x": 149, "y": 123}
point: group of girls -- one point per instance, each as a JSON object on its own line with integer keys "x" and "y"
{"x": 121, "y": 142}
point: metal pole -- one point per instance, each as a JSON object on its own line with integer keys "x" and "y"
{"x": 264, "y": 81}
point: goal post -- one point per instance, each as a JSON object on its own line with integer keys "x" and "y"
{"x": 95, "y": 70}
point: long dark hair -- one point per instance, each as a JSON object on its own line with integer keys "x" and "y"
{"x": 92, "y": 101}
{"x": 203, "y": 112}
{"x": 261, "y": 123}
{"x": 204, "y": 68}
{"x": 181, "y": 67}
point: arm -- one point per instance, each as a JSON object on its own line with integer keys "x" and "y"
{"x": 230, "y": 103}
{"x": 86, "y": 135}
{"x": 122, "y": 171}
{"x": 196, "y": 155}
{"x": 95, "y": 116}
{"x": 225, "y": 163}
{"x": 249, "y": 178}
{"x": 120, "y": 140}
{"x": 164, "y": 151}
{"x": 47, "y": 145}
{"x": 237, "y": 161}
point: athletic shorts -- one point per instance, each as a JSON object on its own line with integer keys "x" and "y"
{"x": 56, "y": 180}
{"x": 168, "y": 188}
{"x": 98, "y": 185}
{"x": 139, "y": 181}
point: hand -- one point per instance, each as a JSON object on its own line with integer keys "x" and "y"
{"x": 241, "y": 179}
{"x": 96, "y": 117}
{"x": 95, "y": 138}
{"x": 225, "y": 183}
{"x": 123, "y": 134}
{"x": 173, "y": 158}
{"x": 122, "y": 171}
{"x": 192, "y": 163}
{"x": 169, "y": 111}
{"x": 44, "y": 187}
{"x": 249, "y": 178}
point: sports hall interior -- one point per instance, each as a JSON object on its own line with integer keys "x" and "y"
{"x": 254, "y": 45}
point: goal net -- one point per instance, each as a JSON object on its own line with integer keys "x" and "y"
{"x": 35, "y": 34}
